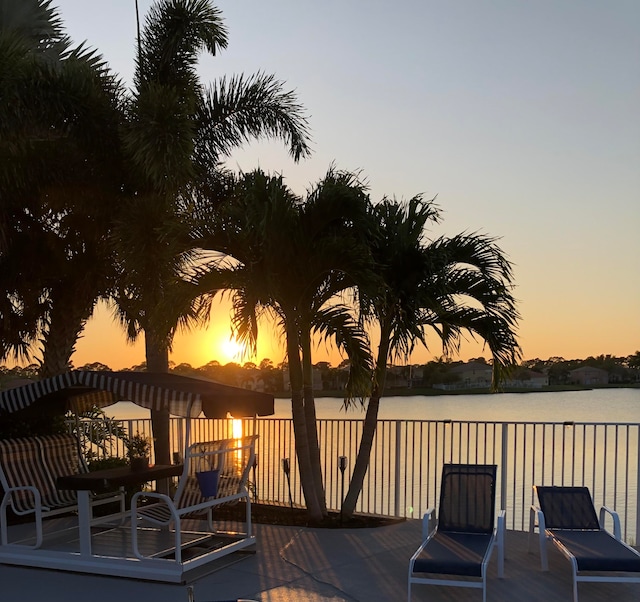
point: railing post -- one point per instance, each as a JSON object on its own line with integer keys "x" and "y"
{"x": 504, "y": 467}
{"x": 397, "y": 469}
{"x": 637, "y": 542}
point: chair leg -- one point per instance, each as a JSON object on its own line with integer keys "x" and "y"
{"x": 134, "y": 535}
{"x": 532, "y": 528}
{"x": 501, "y": 530}
{"x": 544, "y": 562}
{"x": 248, "y": 517}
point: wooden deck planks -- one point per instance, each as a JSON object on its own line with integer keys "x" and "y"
{"x": 353, "y": 564}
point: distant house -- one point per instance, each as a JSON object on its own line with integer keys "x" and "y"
{"x": 472, "y": 375}
{"x": 416, "y": 375}
{"x": 527, "y": 379}
{"x": 253, "y": 381}
{"x": 397, "y": 377}
{"x": 400, "y": 377}
{"x": 317, "y": 379}
{"x": 588, "y": 375}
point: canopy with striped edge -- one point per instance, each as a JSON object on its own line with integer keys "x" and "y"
{"x": 181, "y": 395}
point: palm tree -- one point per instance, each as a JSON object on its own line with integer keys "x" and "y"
{"x": 291, "y": 259}
{"x": 177, "y": 132}
{"x": 55, "y": 102}
{"x": 451, "y": 285}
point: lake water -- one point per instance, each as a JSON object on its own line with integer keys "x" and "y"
{"x": 596, "y": 405}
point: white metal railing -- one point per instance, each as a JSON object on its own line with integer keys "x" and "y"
{"x": 407, "y": 457}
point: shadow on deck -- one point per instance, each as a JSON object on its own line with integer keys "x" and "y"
{"x": 294, "y": 564}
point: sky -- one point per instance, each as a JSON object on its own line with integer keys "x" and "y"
{"x": 523, "y": 118}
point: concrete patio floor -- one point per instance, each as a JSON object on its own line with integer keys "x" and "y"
{"x": 293, "y": 564}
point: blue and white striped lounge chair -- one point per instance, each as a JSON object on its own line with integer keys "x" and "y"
{"x": 457, "y": 551}
{"x": 567, "y": 517}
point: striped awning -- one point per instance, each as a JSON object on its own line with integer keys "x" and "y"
{"x": 180, "y": 395}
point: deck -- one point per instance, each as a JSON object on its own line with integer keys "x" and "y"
{"x": 292, "y": 564}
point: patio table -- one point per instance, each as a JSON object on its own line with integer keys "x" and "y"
{"x": 103, "y": 480}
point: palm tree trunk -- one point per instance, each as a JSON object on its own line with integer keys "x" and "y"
{"x": 311, "y": 421}
{"x": 157, "y": 355}
{"x": 369, "y": 427}
{"x": 311, "y": 497}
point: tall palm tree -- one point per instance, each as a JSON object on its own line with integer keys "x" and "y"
{"x": 55, "y": 102}
{"x": 178, "y": 130}
{"x": 451, "y": 285}
{"x": 292, "y": 258}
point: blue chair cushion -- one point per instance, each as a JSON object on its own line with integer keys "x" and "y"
{"x": 453, "y": 553}
{"x": 598, "y": 551}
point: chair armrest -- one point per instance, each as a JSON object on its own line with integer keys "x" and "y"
{"x": 536, "y": 517}
{"x": 37, "y": 499}
{"x": 37, "y": 510}
{"x": 617, "y": 532}
{"x": 151, "y": 494}
{"x": 162, "y": 498}
{"x": 426, "y": 519}
{"x": 139, "y": 512}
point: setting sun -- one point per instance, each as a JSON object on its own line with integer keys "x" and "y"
{"x": 232, "y": 350}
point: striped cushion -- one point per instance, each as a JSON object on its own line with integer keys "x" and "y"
{"x": 60, "y": 456}
{"x": 38, "y": 462}
{"x": 21, "y": 463}
{"x": 231, "y": 457}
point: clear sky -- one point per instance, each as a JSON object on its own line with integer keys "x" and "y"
{"x": 522, "y": 117}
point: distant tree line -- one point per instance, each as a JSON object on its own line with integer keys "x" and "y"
{"x": 269, "y": 377}
{"x": 621, "y": 369}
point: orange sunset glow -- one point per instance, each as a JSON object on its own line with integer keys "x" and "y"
{"x": 534, "y": 144}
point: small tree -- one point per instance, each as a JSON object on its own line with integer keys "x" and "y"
{"x": 98, "y": 434}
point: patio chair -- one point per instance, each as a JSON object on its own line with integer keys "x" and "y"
{"x": 567, "y": 517}
{"x": 460, "y": 546}
{"x": 29, "y": 469}
{"x": 230, "y": 460}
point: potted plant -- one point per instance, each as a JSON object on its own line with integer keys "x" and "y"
{"x": 138, "y": 450}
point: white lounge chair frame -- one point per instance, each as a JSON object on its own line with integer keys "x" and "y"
{"x": 537, "y": 520}
{"x": 428, "y": 533}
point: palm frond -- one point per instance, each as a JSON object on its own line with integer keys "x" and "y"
{"x": 174, "y": 33}
{"x": 35, "y": 21}
{"x": 237, "y": 110}
{"x": 336, "y": 323}
{"x": 159, "y": 137}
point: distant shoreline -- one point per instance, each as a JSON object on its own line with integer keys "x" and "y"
{"x": 431, "y": 392}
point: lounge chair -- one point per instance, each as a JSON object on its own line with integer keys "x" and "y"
{"x": 567, "y": 517}
{"x": 460, "y": 546}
